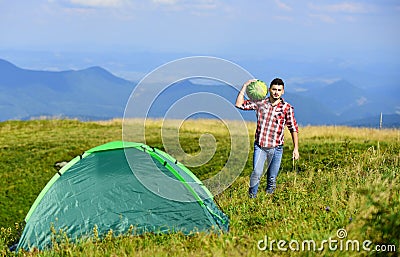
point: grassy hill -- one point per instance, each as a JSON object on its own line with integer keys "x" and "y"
{"x": 347, "y": 178}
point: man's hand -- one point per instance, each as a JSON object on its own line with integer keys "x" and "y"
{"x": 296, "y": 154}
{"x": 295, "y": 140}
{"x": 248, "y": 83}
{"x": 240, "y": 97}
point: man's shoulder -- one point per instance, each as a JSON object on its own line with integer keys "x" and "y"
{"x": 286, "y": 104}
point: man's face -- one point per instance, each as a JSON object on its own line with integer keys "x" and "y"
{"x": 276, "y": 91}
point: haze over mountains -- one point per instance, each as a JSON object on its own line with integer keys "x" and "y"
{"x": 95, "y": 93}
{"x": 92, "y": 93}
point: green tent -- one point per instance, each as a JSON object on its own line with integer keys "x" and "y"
{"x": 117, "y": 186}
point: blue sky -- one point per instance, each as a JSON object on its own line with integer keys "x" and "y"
{"x": 358, "y": 31}
{"x": 208, "y": 26}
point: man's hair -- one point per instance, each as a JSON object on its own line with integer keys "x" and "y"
{"x": 277, "y": 81}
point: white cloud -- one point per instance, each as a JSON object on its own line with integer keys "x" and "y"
{"x": 283, "y": 6}
{"x": 306, "y": 80}
{"x": 340, "y": 12}
{"x": 185, "y": 4}
{"x": 165, "y": 1}
{"x": 345, "y": 7}
{"x": 206, "y": 6}
{"x": 97, "y": 3}
{"x": 192, "y": 7}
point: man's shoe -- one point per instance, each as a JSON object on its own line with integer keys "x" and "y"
{"x": 252, "y": 195}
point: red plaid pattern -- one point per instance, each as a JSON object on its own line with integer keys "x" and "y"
{"x": 271, "y": 121}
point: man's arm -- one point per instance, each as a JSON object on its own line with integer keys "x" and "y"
{"x": 240, "y": 97}
{"x": 295, "y": 140}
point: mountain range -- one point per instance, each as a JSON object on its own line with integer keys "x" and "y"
{"x": 92, "y": 93}
{"x": 96, "y": 94}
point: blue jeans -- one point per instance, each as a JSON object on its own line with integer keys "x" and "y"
{"x": 272, "y": 157}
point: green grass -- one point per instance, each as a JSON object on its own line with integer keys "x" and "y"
{"x": 346, "y": 178}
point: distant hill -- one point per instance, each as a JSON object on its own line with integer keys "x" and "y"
{"x": 388, "y": 121}
{"x": 96, "y": 94}
{"x": 349, "y": 102}
{"x": 352, "y": 105}
{"x": 209, "y": 105}
{"x": 92, "y": 93}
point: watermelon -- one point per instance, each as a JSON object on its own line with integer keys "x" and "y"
{"x": 257, "y": 90}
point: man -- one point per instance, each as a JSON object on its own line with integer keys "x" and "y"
{"x": 273, "y": 114}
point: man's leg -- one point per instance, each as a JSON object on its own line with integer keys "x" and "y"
{"x": 273, "y": 169}
{"x": 259, "y": 157}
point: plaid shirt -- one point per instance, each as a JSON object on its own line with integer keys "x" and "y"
{"x": 271, "y": 121}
